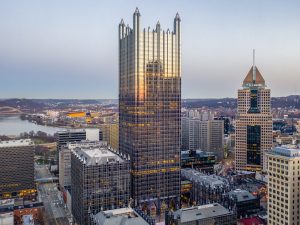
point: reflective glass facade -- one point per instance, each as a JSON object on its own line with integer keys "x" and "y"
{"x": 150, "y": 111}
{"x": 253, "y": 101}
{"x": 253, "y": 144}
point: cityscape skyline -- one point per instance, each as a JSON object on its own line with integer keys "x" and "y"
{"x": 154, "y": 157}
{"x": 59, "y": 49}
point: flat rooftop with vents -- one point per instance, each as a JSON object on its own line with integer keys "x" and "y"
{"x": 199, "y": 213}
{"x": 96, "y": 154}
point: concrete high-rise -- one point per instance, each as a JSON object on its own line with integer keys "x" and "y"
{"x": 254, "y": 123}
{"x": 283, "y": 186}
{"x": 150, "y": 111}
{"x": 207, "y": 135}
{"x": 17, "y": 169}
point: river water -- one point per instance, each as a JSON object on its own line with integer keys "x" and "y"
{"x": 13, "y": 125}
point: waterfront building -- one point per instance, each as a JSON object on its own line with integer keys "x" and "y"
{"x": 207, "y": 135}
{"x": 199, "y": 160}
{"x": 283, "y": 185}
{"x": 17, "y": 169}
{"x": 254, "y": 123}
{"x": 150, "y": 112}
{"x": 122, "y": 216}
{"x": 100, "y": 180}
{"x": 205, "y": 215}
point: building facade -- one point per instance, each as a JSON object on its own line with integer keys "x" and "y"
{"x": 207, "y": 188}
{"x": 254, "y": 123}
{"x": 100, "y": 180}
{"x": 283, "y": 186}
{"x": 64, "y": 137}
{"x": 17, "y": 169}
{"x": 65, "y": 160}
{"x": 199, "y": 160}
{"x": 207, "y": 135}
{"x": 150, "y": 112}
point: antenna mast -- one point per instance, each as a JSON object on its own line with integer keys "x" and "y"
{"x": 254, "y": 68}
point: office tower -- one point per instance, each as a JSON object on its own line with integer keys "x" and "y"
{"x": 68, "y": 136}
{"x": 207, "y": 135}
{"x": 110, "y": 134}
{"x": 202, "y": 215}
{"x": 105, "y": 129}
{"x": 150, "y": 111}
{"x": 185, "y": 133}
{"x": 114, "y": 135}
{"x": 254, "y": 122}
{"x": 65, "y": 161}
{"x": 283, "y": 186}
{"x": 17, "y": 169}
{"x": 100, "y": 180}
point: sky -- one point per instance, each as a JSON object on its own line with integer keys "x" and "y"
{"x": 69, "y": 48}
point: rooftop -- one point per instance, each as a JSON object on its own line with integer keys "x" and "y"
{"x": 123, "y": 216}
{"x": 286, "y": 151}
{"x": 16, "y": 143}
{"x": 199, "y": 153}
{"x": 96, "y": 154}
{"x": 250, "y": 221}
{"x": 256, "y": 80}
{"x": 86, "y": 144}
{"x": 200, "y": 212}
{"x": 213, "y": 181}
{"x": 241, "y": 195}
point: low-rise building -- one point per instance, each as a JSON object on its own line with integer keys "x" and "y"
{"x": 199, "y": 160}
{"x": 205, "y": 215}
{"x": 246, "y": 204}
{"x": 122, "y": 216}
{"x": 251, "y": 221}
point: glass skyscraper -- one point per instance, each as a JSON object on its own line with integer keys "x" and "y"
{"x": 150, "y": 112}
{"x": 254, "y": 123}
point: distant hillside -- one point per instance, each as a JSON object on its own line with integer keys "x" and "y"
{"x": 211, "y": 103}
{"x": 292, "y": 101}
{"x": 35, "y": 105}
{"x": 24, "y": 105}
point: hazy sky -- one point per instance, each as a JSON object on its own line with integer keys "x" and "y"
{"x": 69, "y": 48}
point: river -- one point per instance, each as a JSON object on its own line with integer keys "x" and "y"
{"x": 13, "y": 125}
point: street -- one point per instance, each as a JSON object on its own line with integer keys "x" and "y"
{"x": 55, "y": 213}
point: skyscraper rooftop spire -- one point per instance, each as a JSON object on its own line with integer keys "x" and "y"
{"x": 254, "y": 68}
{"x": 137, "y": 11}
{"x": 254, "y": 76}
{"x": 177, "y": 17}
